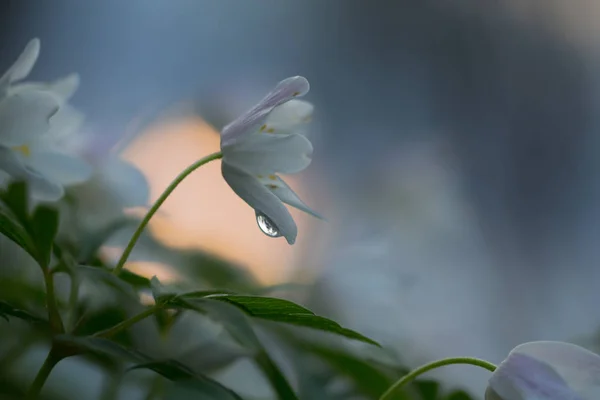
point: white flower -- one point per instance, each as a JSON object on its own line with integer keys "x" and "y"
{"x": 263, "y": 142}
{"x": 34, "y": 119}
{"x": 546, "y": 371}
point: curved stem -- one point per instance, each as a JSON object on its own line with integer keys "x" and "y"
{"x": 40, "y": 379}
{"x": 158, "y": 203}
{"x": 433, "y": 365}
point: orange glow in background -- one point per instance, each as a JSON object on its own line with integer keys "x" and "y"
{"x": 203, "y": 212}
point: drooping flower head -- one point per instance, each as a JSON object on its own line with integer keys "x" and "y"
{"x": 263, "y": 142}
{"x": 546, "y": 371}
{"x": 34, "y": 119}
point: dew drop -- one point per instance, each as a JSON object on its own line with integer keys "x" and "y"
{"x": 266, "y": 225}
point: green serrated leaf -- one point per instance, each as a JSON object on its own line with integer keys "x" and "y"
{"x": 279, "y": 310}
{"x": 44, "y": 226}
{"x": 7, "y": 310}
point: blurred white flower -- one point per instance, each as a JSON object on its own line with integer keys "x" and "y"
{"x": 99, "y": 202}
{"x": 34, "y": 121}
{"x": 546, "y": 371}
{"x": 265, "y": 141}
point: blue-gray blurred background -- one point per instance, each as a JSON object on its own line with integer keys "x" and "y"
{"x": 456, "y": 142}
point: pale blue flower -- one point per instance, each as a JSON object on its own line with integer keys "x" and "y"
{"x": 265, "y": 141}
{"x": 546, "y": 371}
{"x": 34, "y": 119}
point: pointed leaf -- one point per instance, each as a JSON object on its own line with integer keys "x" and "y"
{"x": 107, "y": 277}
{"x": 160, "y": 293}
{"x": 239, "y": 328}
{"x": 100, "y": 346}
{"x": 279, "y": 310}
{"x": 175, "y": 371}
{"x": 7, "y": 310}
{"x": 170, "y": 369}
{"x": 15, "y": 197}
{"x": 12, "y": 229}
{"x": 44, "y": 228}
{"x": 197, "y": 390}
{"x": 199, "y": 294}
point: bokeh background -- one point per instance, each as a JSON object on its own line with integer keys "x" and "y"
{"x": 455, "y": 158}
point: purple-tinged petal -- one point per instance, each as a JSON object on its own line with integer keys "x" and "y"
{"x": 249, "y": 189}
{"x": 251, "y": 121}
{"x": 578, "y": 367}
{"x": 521, "y": 377}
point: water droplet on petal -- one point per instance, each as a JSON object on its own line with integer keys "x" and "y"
{"x": 266, "y": 225}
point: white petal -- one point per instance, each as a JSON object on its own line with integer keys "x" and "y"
{"x": 285, "y": 193}
{"x": 64, "y": 131}
{"x": 267, "y": 154}
{"x": 578, "y": 367}
{"x": 249, "y": 189}
{"x": 41, "y": 186}
{"x": 251, "y": 121}
{"x": 23, "y": 66}
{"x": 25, "y": 116}
{"x": 522, "y": 377}
{"x": 126, "y": 182}
{"x": 63, "y": 88}
{"x": 60, "y": 167}
{"x": 289, "y": 116}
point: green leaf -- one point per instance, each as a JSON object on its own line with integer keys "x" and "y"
{"x": 199, "y": 294}
{"x": 34, "y": 234}
{"x": 15, "y": 231}
{"x": 279, "y": 310}
{"x": 44, "y": 228}
{"x": 136, "y": 281}
{"x": 170, "y": 369}
{"x": 428, "y": 389}
{"x": 194, "y": 390}
{"x": 238, "y": 325}
{"x": 15, "y": 197}
{"x": 459, "y": 395}
{"x": 160, "y": 293}
{"x": 108, "y": 278}
{"x": 7, "y": 310}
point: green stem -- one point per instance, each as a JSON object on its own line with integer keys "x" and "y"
{"x": 53, "y": 314}
{"x": 51, "y": 360}
{"x": 73, "y": 297}
{"x": 158, "y": 203}
{"x": 128, "y": 322}
{"x": 436, "y": 364}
